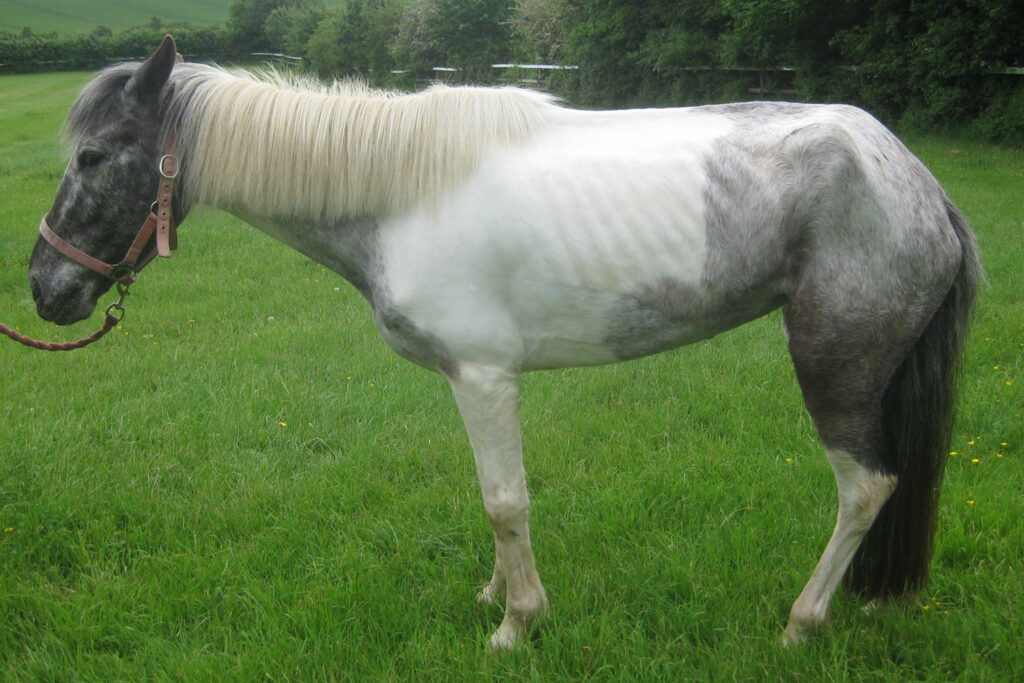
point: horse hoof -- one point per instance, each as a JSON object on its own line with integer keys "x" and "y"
{"x": 487, "y": 595}
{"x": 793, "y": 637}
{"x": 509, "y": 636}
{"x": 797, "y": 633}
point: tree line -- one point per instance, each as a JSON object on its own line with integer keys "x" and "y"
{"x": 925, "y": 63}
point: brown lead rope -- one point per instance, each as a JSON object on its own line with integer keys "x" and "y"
{"x": 109, "y": 323}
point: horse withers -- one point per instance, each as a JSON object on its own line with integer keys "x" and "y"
{"x": 494, "y": 232}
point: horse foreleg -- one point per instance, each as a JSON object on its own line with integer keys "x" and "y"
{"x": 861, "y": 495}
{"x": 488, "y": 399}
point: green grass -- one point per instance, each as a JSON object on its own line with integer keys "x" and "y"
{"x": 158, "y": 521}
{"x": 82, "y": 16}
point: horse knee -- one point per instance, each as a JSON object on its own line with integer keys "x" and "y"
{"x": 508, "y": 512}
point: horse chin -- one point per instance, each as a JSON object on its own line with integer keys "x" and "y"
{"x": 65, "y": 313}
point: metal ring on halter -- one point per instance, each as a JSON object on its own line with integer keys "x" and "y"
{"x": 174, "y": 159}
{"x": 123, "y": 271}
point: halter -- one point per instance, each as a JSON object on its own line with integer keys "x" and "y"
{"x": 160, "y": 221}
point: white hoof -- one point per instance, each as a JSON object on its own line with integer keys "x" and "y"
{"x": 508, "y": 636}
{"x": 488, "y": 594}
{"x": 799, "y": 631}
{"x": 793, "y": 636}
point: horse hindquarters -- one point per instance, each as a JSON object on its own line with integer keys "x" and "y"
{"x": 879, "y": 382}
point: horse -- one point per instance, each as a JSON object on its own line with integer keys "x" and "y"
{"x": 496, "y": 231}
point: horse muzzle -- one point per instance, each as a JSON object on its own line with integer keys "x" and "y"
{"x": 61, "y": 294}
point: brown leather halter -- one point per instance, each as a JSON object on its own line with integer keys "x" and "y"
{"x": 160, "y": 221}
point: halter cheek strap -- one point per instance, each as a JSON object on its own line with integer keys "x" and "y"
{"x": 159, "y": 221}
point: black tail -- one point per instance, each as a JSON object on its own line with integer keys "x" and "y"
{"x": 918, "y": 409}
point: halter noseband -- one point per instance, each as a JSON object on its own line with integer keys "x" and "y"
{"x": 160, "y": 221}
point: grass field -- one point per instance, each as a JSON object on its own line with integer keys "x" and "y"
{"x": 243, "y": 482}
{"x": 82, "y": 16}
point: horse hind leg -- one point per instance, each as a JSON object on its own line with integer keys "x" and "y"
{"x": 862, "y": 384}
{"x": 840, "y": 379}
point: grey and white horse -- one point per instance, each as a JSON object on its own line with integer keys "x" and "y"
{"x": 494, "y": 232}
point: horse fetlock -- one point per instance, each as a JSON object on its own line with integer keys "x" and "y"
{"x": 527, "y": 608}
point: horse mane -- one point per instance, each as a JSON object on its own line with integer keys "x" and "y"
{"x": 280, "y": 144}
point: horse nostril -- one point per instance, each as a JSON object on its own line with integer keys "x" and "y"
{"x": 37, "y": 289}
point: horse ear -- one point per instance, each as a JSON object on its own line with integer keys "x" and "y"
{"x": 150, "y": 77}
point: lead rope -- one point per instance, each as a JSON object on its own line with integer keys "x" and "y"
{"x": 109, "y": 323}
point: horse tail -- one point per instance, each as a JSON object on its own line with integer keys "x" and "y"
{"x": 918, "y": 410}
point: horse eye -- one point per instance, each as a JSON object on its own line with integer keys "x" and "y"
{"x": 90, "y": 157}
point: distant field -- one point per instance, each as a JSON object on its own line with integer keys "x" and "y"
{"x": 81, "y": 16}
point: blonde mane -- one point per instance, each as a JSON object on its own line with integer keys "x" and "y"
{"x": 279, "y": 145}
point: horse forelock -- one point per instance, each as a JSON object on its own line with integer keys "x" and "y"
{"x": 99, "y": 102}
{"x": 284, "y": 145}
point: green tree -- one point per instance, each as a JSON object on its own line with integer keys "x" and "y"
{"x": 354, "y": 40}
{"x": 645, "y": 52}
{"x": 539, "y": 30}
{"x": 606, "y": 42}
{"x": 469, "y": 35}
{"x": 290, "y": 27}
{"x": 246, "y": 26}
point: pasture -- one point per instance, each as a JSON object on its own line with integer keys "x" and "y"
{"x": 82, "y": 16}
{"x": 242, "y": 481}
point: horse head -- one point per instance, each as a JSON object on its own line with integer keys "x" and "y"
{"x": 116, "y": 128}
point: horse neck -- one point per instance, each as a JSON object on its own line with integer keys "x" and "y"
{"x": 280, "y": 148}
